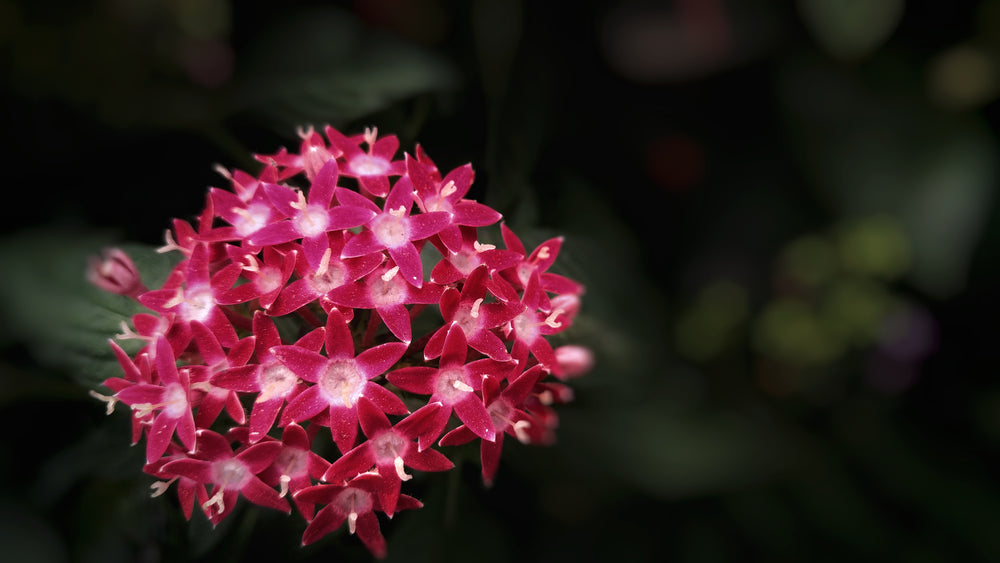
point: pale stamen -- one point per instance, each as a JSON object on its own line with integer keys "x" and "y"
{"x": 127, "y": 333}
{"x": 110, "y": 400}
{"x": 300, "y": 202}
{"x": 202, "y": 386}
{"x": 520, "y": 430}
{"x": 161, "y": 487}
{"x": 283, "y": 482}
{"x": 215, "y": 500}
{"x": 371, "y": 134}
{"x": 448, "y": 189}
{"x": 462, "y": 386}
{"x": 222, "y": 171}
{"x": 474, "y": 311}
{"x": 352, "y": 520}
{"x": 171, "y": 244}
{"x": 551, "y": 319}
{"x": 543, "y": 253}
{"x": 176, "y": 300}
{"x": 398, "y": 212}
{"x": 403, "y": 475}
{"x": 324, "y": 262}
{"x": 483, "y": 247}
{"x": 390, "y": 273}
{"x": 252, "y": 265}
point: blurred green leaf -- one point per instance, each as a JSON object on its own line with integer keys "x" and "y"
{"x": 323, "y": 65}
{"x": 51, "y": 308}
{"x": 850, "y": 29}
{"x": 871, "y": 151}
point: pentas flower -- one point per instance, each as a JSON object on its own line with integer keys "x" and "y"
{"x": 355, "y": 503}
{"x": 333, "y": 326}
{"x": 453, "y": 384}
{"x": 230, "y": 474}
{"x": 373, "y": 167}
{"x": 340, "y": 380}
{"x": 389, "y": 450}
{"x": 169, "y": 399}
{"x": 310, "y": 217}
{"x": 394, "y": 230}
{"x": 508, "y": 417}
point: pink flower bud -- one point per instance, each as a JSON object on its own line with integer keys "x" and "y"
{"x": 574, "y": 360}
{"x": 114, "y": 271}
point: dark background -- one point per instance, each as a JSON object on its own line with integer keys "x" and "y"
{"x": 784, "y": 214}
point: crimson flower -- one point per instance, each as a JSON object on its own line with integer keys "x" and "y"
{"x": 170, "y": 399}
{"x": 389, "y": 450}
{"x": 393, "y": 229}
{"x": 355, "y": 503}
{"x": 507, "y": 414}
{"x": 273, "y": 383}
{"x": 467, "y": 309}
{"x": 340, "y": 380}
{"x": 453, "y": 384}
{"x": 372, "y": 168}
{"x": 231, "y": 474}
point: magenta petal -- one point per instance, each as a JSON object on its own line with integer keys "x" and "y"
{"x": 455, "y": 349}
{"x": 385, "y": 400}
{"x": 352, "y": 198}
{"x": 451, "y": 237}
{"x": 339, "y": 342}
{"x": 159, "y": 437}
{"x": 489, "y": 457}
{"x": 489, "y": 344}
{"x": 371, "y": 535}
{"x": 326, "y": 520}
{"x": 306, "y": 405}
{"x": 294, "y": 296}
{"x": 397, "y": 319}
{"x": 305, "y": 363}
{"x": 258, "y": 456}
{"x": 427, "y": 224}
{"x": 321, "y": 191}
{"x": 472, "y": 412}
{"x": 415, "y": 379}
{"x": 373, "y": 421}
{"x": 262, "y": 417}
{"x": 197, "y": 470}
{"x": 428, "y": 460}
{"x": 281, "y": 198}
{"x": 375, "y": 361}
{"x": 361, "y": 244}
{"x": 275, "y": 233}
{"x": 258, "y": 493}
{"x": 344, "y": 427}
{"x": 432, "y": 428}
{"x": 348, "y": 217}
{"x": 375, "y": 185}
{"x": 408, "y": 259}
{"x": 474, "y": 214}
{"x": 186, "y": 429}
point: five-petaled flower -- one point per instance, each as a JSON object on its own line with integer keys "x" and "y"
{"x": 341, "y": 287}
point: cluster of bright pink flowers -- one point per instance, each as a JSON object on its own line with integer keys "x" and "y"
{"x": 292, "y": 310}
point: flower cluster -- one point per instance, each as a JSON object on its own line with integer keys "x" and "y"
{"x": 278, "y": 359}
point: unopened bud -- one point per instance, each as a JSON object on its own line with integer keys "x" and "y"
{"x": 574, "y": 360}
{"x": 114, "y": 271}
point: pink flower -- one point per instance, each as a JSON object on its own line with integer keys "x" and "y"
{"x": 508, "y": 416}
{"x": 169, "y": 399}
{"x": 453, "y": 384}
{"x": 354, "y": 503}
{"x": 393, "y": 229}
{"x": 308, "y": 217}
{"x": 372, "y": 168}
{"x": 340, "y": 380}
{"x": 231, "y": 474}
{"x": 389, "y": 450}
{"x": 272, "y": 382}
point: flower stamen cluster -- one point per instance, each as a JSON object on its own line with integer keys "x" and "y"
{"x": 287, "y": 327}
